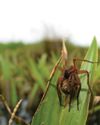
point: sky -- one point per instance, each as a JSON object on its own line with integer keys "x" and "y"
{"x": 31, "y": 20}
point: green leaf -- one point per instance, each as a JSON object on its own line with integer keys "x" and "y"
{"x": 42, "y": 66}
{"x": 36, "y": 73}
{"x": 50, "y": 112}
{"x": 13, "y": 93}
{"x": 6, "y": 68}
{"x": 97, "y": 76}
{"x": 32, "y": 94}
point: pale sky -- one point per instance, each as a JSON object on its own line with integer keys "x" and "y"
{"x": 30, "y": 20}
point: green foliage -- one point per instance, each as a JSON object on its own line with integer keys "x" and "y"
{"x": 6, "y": 68}
{"x": 11, "y": 45}
{"x": 13, "y": 93}
{"x": 50, "y": 112}
{"x": 36, "y": 71}
{"x": 25, "y": 70}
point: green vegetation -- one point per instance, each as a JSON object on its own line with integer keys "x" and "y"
{"x": 24, "y": 73}
{"x": 50, "y": 112}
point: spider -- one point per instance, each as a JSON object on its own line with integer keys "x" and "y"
{"x": 69, "y": 83}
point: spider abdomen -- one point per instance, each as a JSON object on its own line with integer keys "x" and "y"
{"x": 71, "y": 85}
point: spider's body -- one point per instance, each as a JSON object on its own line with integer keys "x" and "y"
{"x": 69, "y": 83}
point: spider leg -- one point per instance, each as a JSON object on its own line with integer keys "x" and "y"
{"x": 66, "y": 101}
{"x": 87, "y": 73}
{"x": 82, "y": 60}
{"x": 70, "y": 100}
{"x": 79, "y": 88}
{"x": 59, "y": 90}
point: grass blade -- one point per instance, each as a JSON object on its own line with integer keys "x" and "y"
{"x": 13, "y": 93}
{"x": 80, "y": 117}
{"x": 36, "y": 74}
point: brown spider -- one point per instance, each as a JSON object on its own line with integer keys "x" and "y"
{"x": 69, "y": 83}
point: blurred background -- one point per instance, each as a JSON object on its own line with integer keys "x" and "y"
{"x": 31, "y": 33}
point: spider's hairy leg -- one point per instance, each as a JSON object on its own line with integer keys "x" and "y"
{"x": 82, "y": 60}
{"x": 87, "y": 73}
{"x": 59, "y": 90}
{"x": 79, "y": 88}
